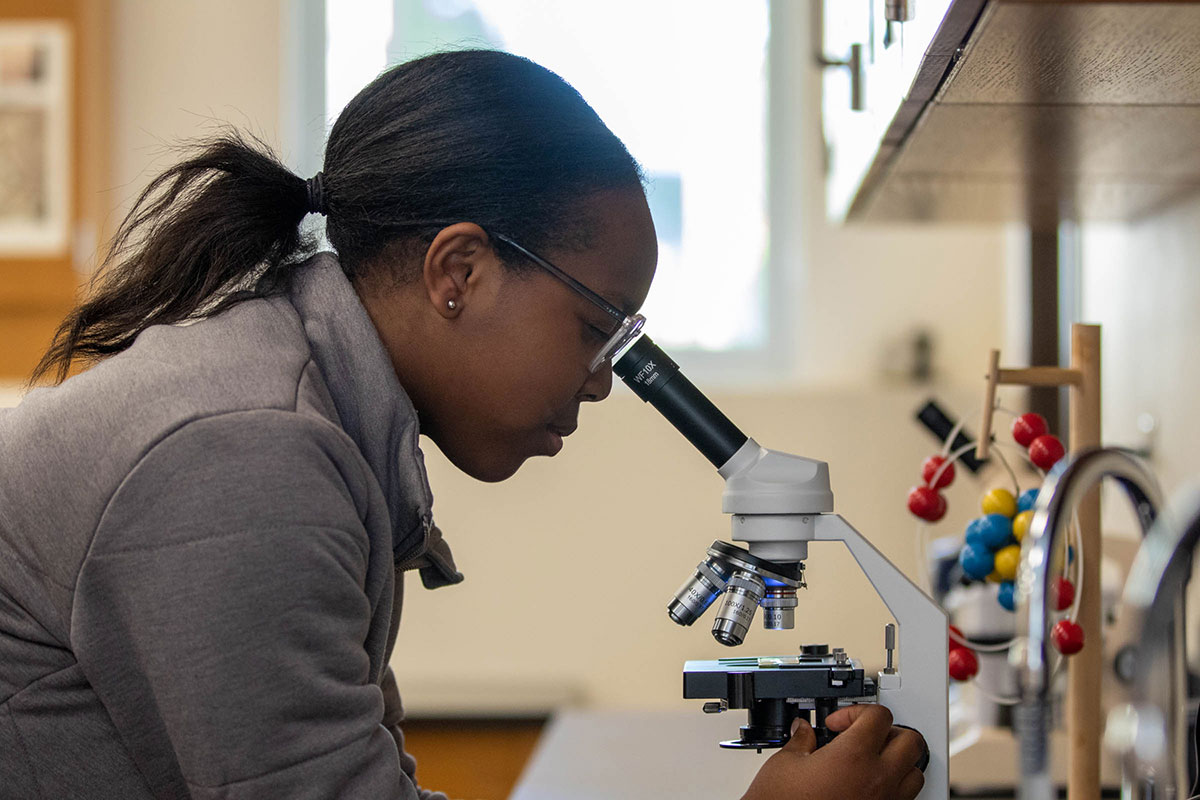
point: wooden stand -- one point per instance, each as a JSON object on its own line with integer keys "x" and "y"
{"x": 1084, "y": 722}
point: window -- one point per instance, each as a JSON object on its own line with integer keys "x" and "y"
{"x": 685, "y": 89}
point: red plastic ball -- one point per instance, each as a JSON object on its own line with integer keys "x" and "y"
{"x": 1028, "y": 427}
{"x": 926, "y": 503}
{"x": 955, "y": 645}
{"x": 1045, "y": 451}
{"x": 1064, "y": 594}
{"x": 1067, "y": 637}
{"x": 963, "y": 664}
{"x": 931, "y": 467}
{"x": 941, "y": 508}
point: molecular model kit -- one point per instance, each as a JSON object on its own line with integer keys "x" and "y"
{"x": 991, "y": 543}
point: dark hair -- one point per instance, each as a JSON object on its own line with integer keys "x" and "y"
{"x": 472, "y": 135}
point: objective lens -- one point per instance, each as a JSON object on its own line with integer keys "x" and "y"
{"x": 779, "y": 608}
{"x": 742, "y": 596}
{"x": 698, "y": 592}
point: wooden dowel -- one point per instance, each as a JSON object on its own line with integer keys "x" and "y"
{"x": 1084, "y": 722}
{"x": 983, "y": 444}
{"x": 1083, "y": 681}
{"x": 1040, "y": 376}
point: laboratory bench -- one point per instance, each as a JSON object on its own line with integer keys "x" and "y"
{"x": 583, "y": 754}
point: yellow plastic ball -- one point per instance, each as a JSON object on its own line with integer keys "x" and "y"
{"x": 1021, "y": 524}
{"x": 994, "y": 577}
{"x": 999, "y": 501}
{"x": 1007, "y": 561}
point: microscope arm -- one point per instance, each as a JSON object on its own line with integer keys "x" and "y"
{"x": 921, "y": 632}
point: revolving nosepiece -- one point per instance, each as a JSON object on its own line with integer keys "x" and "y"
{"x": 747, "y": 582}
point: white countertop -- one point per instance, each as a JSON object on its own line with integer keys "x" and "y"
{"x": 639, "y": 755}
{"x": 650, "y": 755}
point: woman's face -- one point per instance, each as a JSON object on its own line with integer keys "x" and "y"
{"x": 500, "y": 376}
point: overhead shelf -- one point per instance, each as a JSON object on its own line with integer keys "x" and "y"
{"x": 1044, "y": 111}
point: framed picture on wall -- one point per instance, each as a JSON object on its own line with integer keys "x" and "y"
{"x": 34, "y": 138}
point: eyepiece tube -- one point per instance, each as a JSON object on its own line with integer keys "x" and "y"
{"x": 655, "y": 378}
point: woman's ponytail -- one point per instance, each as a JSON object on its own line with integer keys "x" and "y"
{"x": 209, "y": 228}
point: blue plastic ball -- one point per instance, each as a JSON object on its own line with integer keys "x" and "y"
{"x": 1008, "y": 596}
{"x": 977, "y": 562}
{"x": 1027, "y": 499}
{"x": 996, "y": 531}
{"x": 975, "y": 531}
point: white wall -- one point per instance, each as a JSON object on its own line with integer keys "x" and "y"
{"x": 868, "y": 289}
{"x": 856, "y": 293}
{"x": 182, "y": 67}
{"x": 570, "y": 564}
{"x": 1141, "y": 281}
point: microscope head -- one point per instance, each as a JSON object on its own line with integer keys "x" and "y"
{"x": 773, "y": 497}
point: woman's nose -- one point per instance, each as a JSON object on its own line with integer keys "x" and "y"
{"x": 598, "y": 384}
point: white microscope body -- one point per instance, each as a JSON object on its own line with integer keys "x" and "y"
{"x": 780, "y": 503}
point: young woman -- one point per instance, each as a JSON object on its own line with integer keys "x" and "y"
{"x": 203, "y": 536}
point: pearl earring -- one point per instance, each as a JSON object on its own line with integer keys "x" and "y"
{"x": 450, "y": 304}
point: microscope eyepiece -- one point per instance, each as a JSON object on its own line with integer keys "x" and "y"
{"x": 655, "y": 378}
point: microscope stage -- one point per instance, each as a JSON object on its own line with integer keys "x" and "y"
{"x": 775, "y": 690}
{"x": 739, "y": 680}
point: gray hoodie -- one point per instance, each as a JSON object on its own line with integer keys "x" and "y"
{"x": 201, "y": 548}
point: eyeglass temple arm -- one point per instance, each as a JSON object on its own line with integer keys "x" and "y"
{"x": 612, "y": 310}
{"x": 655, "y": 378}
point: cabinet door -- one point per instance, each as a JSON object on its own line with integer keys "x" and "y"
{"x": 890, "y": 53}
{"x": 56, "y": 152}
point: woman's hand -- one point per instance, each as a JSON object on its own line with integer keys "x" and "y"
{"x": 869, "y": 760}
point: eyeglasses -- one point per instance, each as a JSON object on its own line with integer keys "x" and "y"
{"x": 628, "y": 326}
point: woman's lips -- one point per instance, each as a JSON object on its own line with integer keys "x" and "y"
{"x": 556, "y": 435}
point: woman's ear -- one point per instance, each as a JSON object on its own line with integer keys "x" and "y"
{"x": 457, "y": 260}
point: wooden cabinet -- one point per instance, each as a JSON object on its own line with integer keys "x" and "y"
{"x": 38, "y": 289}
{"x": 1037, "y": 112}
{"x": 896, "y": 74}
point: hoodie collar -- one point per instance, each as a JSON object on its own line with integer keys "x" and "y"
{"x": 374, "y": 410}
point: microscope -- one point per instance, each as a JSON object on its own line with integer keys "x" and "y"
{"x": 779, "y": 504}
